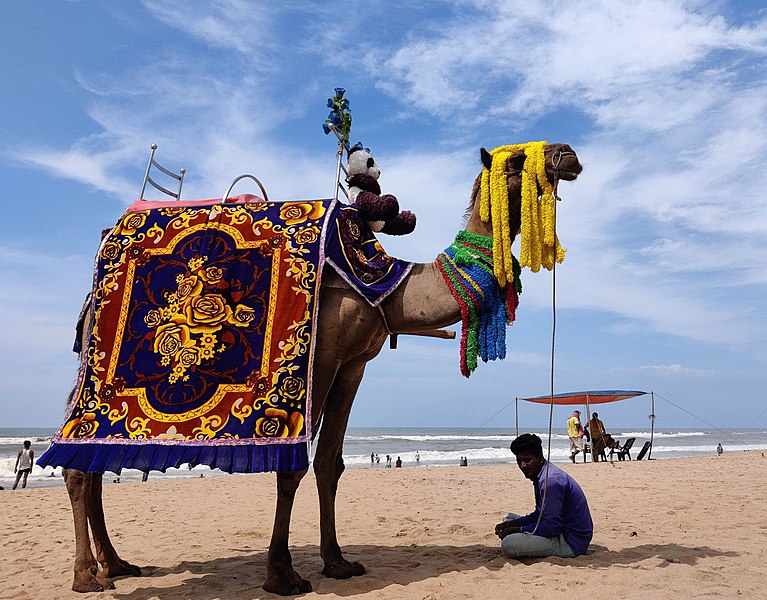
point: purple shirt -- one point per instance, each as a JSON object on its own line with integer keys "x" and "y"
{"x": 566, "y": 511}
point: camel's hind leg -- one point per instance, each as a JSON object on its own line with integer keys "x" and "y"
{"x": 281, "y": 577}
{"x": 86, "y": 568}
{"x": 329, "y": 465}
{"x": 113, "y": 565}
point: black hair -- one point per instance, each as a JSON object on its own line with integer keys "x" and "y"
{"x": 527, "y": 442}
{"x": 27, "y": 443}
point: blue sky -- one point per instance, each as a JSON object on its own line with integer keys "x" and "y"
{"x": 665, "y": 102}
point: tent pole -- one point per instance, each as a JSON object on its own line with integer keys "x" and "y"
{"x": 652, "y": 422}
{"x": 516, "y": 413}
{"x": 588, "y": 428}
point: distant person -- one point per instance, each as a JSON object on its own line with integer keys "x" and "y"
{"x": 719, "y": 449}
{"x": 575, "y": 433}
{"x": 25, "y": 459}
{"x": 597, "y": 430}
{"x": 398, "y": 463}
{"x": 378, "y": 458}
{"x": 372, "y": 458}
{"x": 565, "y": 529}
{"x": 145, "y": 476}
{"x": 388, "y": 461}
{"x": 417, "y": 457}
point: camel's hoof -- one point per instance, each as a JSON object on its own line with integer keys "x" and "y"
{"x": 89, "y": 584}
{"x": 343, "y": 570}
{"x": 275, "y": 585}
{"x": 123, "y": 568}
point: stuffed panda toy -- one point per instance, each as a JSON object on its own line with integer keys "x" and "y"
{"x": 380, "y": 212}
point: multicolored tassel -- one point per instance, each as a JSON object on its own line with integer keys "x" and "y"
{"x": 486, "y": 308}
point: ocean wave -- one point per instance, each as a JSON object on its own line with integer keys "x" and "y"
{"x": 489, "y": 454}
{"x": 19, "y": 441}
{"x": 39, "y": 473}
{"x": 697, "y": 450}
{"x": 662, "y": 434}
{"x": 444, "y": 438}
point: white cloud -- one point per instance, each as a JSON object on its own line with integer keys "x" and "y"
{"x": 231, "y": 24}
{"x": 676, "y": 370}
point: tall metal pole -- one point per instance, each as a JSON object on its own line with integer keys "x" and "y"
{"x": 652, "y": 422}
{"x": 516, "y": 411}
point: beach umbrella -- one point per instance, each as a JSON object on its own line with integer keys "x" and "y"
{"x": 589, "y": 397}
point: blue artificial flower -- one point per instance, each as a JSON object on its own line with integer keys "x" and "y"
{"x": 335, "y": 119}
{"x": 345, "y": 103}
{"x": 331, "y": 104}
{"x": 325, "y": 128}
{"x": 340, "y": 92}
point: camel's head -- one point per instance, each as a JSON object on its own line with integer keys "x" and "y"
{"x": 519, "y": 185}
{"x": 561, "y": 164}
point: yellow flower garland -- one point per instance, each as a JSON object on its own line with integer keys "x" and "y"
{"x": 539, "y": 245}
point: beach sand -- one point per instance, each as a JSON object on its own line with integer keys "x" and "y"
{"x": 682, "y": 528}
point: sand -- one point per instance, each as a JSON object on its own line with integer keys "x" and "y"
{"x": 682, "y": 528}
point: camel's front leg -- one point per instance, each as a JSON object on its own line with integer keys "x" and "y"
{"x": 86, "y": 567}
{"x": 113, "y": 565}
{"x": 281, "y": 577}
{"x": 328, "y": 467}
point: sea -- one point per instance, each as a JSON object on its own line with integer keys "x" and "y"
{"x": 435, "y": 447}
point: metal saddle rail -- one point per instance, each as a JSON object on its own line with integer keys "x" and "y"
{"x": 225, "y": 197}
{"x": 148, "y": 179}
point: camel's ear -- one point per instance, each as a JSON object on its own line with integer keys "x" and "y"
{"x": 487, "y": 160}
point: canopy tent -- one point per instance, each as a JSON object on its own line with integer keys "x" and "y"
{"x": 589, "y": 397}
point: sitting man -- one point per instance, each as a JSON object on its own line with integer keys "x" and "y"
{"x": 565, "y": 528}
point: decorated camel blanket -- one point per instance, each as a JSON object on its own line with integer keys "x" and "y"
{"x": 201, "y": 342}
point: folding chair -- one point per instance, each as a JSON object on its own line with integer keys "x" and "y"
{"x": 623, "y": 451}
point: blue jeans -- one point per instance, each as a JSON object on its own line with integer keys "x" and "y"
{"x": 527, "y": 545}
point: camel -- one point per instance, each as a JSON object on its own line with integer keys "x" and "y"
{"x": 350, "y": 333}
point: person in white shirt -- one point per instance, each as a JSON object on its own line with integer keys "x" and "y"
{"x": 24, "y": 461}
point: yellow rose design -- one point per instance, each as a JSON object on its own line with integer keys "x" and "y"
{"x": 111, "y": 250}
{"x": 307, "y": 235}
{"x": 170, "y": 338}
{"x": 188, "y": 356}
{"x": 242, "y": 316}
{"x": 292, "y": 388}
{"x": 206, "y": 313}
{"x": 132, "y": 223}
{"x": 294, "y": 213}
{"x": 153, "y": 318}
{"x": 354, "y": 230}
{"x": 188, "y": 286}
{"x": 277, "y": 423}
{"x": 81, "y": 428}
{"x": 211, "y": 275}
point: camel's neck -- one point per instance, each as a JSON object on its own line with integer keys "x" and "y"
{"x": 423, "y": 301}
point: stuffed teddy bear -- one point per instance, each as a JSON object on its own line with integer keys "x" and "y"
{"x": 380, "y": 212}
